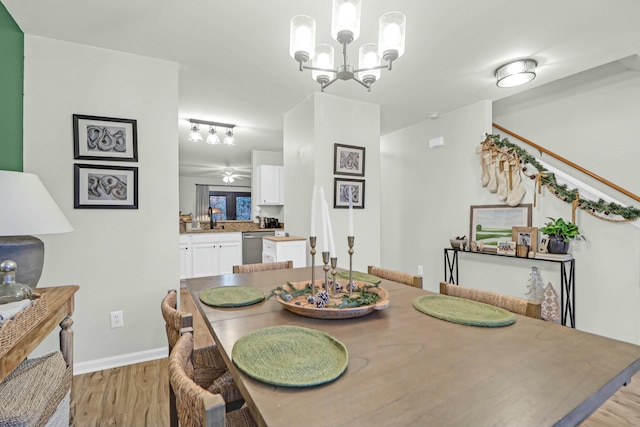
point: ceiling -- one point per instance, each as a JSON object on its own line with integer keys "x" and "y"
{"x": 235, "y": 67}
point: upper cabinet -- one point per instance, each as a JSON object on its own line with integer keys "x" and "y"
{"x": 270, "y": 185}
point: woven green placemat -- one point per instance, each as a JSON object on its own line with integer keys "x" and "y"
{"x": 463, "y": 311}
{"x": 290, "y": 356}
{"x": 231, "y": 296}
{"x": 359, "y": 276}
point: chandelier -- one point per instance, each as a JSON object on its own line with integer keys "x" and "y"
{"x": 212, "y": 137}
{"x": 345, "y": 28}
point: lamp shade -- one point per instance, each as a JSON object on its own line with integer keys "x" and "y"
{"x": 28, "y": 208}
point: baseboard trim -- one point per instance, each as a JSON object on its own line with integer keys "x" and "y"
{"x": 117, "y": 361}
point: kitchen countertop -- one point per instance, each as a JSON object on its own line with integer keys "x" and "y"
{"x": 283, "y": 238}
{"x": 219, "y": 230}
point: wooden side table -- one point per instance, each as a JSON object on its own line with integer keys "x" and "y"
{"x": 60, "y": 305}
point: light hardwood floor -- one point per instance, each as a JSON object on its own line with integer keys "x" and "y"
{"x": 138, "y": 395}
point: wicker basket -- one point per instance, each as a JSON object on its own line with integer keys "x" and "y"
{"x": 12, "y": 330}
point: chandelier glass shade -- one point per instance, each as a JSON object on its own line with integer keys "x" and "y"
{"x": 194, "y": 134}
{"x": 213, "y": 137}
{"x": 345, "y": 28}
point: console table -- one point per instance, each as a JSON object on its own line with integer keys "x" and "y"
{"x": 567, "y": 278}
{"x": 59, "y": 311}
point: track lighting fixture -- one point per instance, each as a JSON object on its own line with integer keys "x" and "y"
{"x": 212, "y": 137}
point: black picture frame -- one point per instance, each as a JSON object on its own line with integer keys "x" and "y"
{"x": 348, "y": 160}
{"x": 105, "y": 187}
{"x": 105, "y": 138}
{"x": 340, "y": 193}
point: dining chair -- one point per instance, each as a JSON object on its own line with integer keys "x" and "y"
{"x": 510, "y": 303}
{"x": 396, "y": 276}
{"x": 209, "y": 368}
{"x": 197, "y": 406}
{"x": 264, "y": 266}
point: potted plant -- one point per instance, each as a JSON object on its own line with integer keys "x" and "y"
{"x": 560, "y": 234}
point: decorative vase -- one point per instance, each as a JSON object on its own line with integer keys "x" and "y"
{"x": 557, "y": 245}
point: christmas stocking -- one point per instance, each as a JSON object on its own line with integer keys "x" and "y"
{"x": 516, "y": 188}
{"x": 502, "y": 179}
{"x": 490, "y": 166}
{"x": 485, "y": 174}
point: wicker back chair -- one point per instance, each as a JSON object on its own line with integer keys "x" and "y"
{"x": 196, "y": 406}
{"x": 396, "y": 276}
{"x": 208, "y": 366}
{"x": 513, "y": 304}
{"x": 250, "y": 268}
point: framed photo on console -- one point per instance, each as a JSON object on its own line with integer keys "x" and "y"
{"x": 526, "y": 236}
{"x": 492, "y": 224}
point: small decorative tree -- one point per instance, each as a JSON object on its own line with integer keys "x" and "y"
{"x": 535, "y": 286}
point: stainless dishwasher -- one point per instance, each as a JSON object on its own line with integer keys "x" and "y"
{"x": 252, "y": 246}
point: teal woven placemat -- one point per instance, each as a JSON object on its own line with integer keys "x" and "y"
{"x": 290, "y": 356}
{"x": 463, "y": 311}
{"x": 359, "y": 276}
{"x": 231, "y": 296}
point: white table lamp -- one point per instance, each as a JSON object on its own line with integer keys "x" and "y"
{"x": 27, "y": 208}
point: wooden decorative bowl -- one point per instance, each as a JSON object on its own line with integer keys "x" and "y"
{"x": 307, "y": 309}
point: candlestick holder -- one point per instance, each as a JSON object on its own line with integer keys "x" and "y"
{"x": 350, "y": 241}
{"x": 325, "y": 260}
{"x": 334, "y": 264}
{"x": 312, "y": 243}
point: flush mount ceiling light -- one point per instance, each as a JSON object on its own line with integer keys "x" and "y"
{"x": 516, "y": 73}
{"x": 212, "y": 138}
{"x": 345, "y": 28}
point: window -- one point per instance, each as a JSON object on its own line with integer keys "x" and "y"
{"x": 232, "y": 205}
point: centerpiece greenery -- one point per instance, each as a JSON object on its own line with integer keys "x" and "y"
{"x": 360, "y": 296}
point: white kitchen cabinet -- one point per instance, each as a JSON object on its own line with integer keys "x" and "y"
{"x": 281, "y": 248}
{"x": 270, "y": 185}
{"x": 185, "y": 256}
{"x": 213, "y": 254}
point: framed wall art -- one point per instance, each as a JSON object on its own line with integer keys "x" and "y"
{"x": 104, "y": 138}
{"x": 105, "y": 187}
{"x": 492, "y": 224}
{"x": 348, "y": 160}
{"x": 526, "y": 236}
{"x": 341, "y": 193}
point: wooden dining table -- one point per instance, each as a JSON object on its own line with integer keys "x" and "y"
{"x": 407, "y": 368}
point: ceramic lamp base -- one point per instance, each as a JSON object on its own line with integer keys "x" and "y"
{"x": 28, "y": 253}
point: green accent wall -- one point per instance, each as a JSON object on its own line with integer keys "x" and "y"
{"x": 11, "y": 92}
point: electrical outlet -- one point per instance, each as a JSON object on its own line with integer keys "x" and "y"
{"x": 117, "y": 319}
{"x": 420, "y": 270}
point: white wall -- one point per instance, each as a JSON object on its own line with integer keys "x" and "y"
{"x": 122, "y": 259}
{"x": 427, "y": 191}
{"x": 310, "y": 131}
{"x": 445, "y": 181}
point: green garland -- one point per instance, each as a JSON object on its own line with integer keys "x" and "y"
{"x": 629, "y": 213}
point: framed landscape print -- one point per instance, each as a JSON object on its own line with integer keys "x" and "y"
{"x": 348, "y": 160}
{"x": 341, "y": 193}
{"x": 105, "y": 187}
{"x": 104, "y": 138}
{"x": 492, "y": 224}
